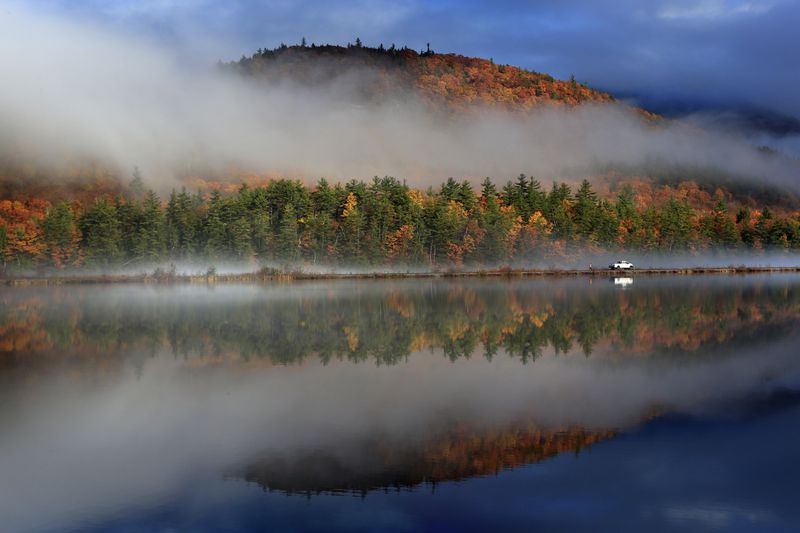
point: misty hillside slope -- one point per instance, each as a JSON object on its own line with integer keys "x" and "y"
{"x": 452, "y": 80}
{"x": 306, "y": 112}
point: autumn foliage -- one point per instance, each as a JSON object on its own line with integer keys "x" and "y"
{"x": 385, "y": 222}
{"x": 445, "y": 80}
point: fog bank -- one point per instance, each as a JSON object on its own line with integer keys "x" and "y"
{"x": 72, "y": 90}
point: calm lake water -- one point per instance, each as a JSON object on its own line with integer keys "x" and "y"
{"x": 646, "y": 403}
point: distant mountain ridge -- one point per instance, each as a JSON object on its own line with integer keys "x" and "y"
{"x": 743, "y": 117}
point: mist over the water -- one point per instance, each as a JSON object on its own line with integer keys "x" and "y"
{"x": 72, "y": 90}
{"x": 141, "y": 423}
{"x": 579, "y": 260}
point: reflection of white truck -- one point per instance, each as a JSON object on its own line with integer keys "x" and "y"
{"x": 621, "y": 265}
{"x": 623, "y": 283}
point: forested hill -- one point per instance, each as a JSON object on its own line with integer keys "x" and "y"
{"x": 89, "y": 218}
{"x": 446, "y": 82}
{"x": 449, "y": 80}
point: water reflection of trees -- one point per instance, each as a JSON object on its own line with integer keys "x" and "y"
{"x": 386, "y": 322}
{"x": 373, "y": 464}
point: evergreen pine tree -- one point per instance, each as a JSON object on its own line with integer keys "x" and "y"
{"x": 586, "y": 210}
{"x": 151, "y": 244}
{"x": 100, "y": 234}
{"x": 60, "y": 235}
{"x": 287, "y": 241}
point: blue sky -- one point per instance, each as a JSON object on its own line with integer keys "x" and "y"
{"x": 716, "y": 51}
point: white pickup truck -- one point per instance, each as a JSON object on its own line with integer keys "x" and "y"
{"x": 621, "y": 265}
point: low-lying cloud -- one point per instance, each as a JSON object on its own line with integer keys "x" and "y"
{"x": 72, "y": 90}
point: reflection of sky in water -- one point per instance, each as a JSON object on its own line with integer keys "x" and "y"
{"x": 677, "y": 473}
{"x": 165, "y": 437}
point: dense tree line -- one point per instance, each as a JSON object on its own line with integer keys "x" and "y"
{"x": 383, "y": 222}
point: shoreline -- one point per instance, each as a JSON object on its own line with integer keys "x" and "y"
{"x": 266, "y": 277}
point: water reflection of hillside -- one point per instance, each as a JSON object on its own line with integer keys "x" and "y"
{"x": 385, "y": 322}
{"x": 376, "y": 464}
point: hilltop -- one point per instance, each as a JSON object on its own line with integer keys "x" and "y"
{"x": 450, "y": 80}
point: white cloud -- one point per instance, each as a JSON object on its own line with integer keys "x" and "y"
{"x": 711, "y": 10}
